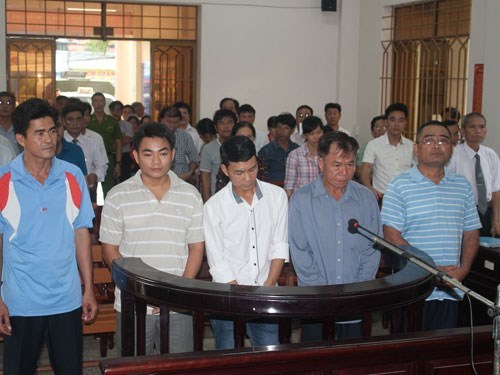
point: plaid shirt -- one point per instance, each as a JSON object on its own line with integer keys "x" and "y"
{"x": 301, "y": 168}
{"x": 185, "y": 152}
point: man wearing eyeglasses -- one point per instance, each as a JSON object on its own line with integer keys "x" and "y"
{"x": 433, "y": 209}
{"x": 302, "y": 112}
{"x": 389, "y": 155}
{"x": 7, "y": 105}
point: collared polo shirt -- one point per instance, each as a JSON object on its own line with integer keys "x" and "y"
{"x": 158, "y": 232}
{"x": 432, "y": 217}
{"x": 38, "y": 223}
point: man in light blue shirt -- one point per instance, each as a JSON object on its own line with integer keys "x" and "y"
{"x": 433, "y": 209}
{"x": 45, "y": 213}
{"x": 322, "y": 249}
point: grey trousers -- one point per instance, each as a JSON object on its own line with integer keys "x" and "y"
{"x": 181, "y": 333}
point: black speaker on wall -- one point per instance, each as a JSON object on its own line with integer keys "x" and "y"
{"x": 329, "y": 5}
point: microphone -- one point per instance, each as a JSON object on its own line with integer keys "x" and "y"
{"x": 353, "y": 226}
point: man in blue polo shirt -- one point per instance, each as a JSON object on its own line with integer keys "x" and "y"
{"x": 433, "y": 209}
{"x": 45, "y": 213}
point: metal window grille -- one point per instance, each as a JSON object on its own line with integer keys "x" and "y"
{"x": 425, "y": 58}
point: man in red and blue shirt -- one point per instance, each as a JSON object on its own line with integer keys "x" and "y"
{"x": 45, "y": 213}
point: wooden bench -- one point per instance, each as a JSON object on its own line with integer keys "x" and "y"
{"x": 104, "y": 326}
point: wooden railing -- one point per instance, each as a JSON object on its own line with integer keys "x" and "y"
{"x": 142, "y": 285}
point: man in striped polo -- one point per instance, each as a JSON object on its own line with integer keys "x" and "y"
{"x": 433, "y": 209}
{"x": 155, "y": 216}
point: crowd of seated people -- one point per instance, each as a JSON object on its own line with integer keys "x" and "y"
{"x": 252, "y": 201}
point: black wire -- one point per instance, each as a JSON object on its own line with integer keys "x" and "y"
{"x": 471, "y": 336}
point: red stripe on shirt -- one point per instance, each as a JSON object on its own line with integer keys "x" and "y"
{"x": 74, "y": 188}
{"x": 4, "y": 190}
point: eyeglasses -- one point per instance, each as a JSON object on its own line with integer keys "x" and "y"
{"x": 302, "y": 115}
{"x": 6, "y": 102}
{"x": 382, "y": 127}
{"x": 74, "y": 120}
{"x": 433, "y": 141}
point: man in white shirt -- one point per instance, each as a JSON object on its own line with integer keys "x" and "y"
{"x": 303, "y": 111}
{"x": 389, "y": 155}
{"x": 464, "y": 161}
{"x": 246, "y": 235}
{"x": 95, "y": 161}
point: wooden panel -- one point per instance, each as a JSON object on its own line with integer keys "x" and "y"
{"x": 436, "y": 352}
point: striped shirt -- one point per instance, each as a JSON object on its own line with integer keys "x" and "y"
{"x": 301, "y": 168}
{"x": 158, "y": 232}
{"x": 432, "y": 217}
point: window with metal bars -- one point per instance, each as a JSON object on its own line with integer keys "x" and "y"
{"x": 425, "y": 58}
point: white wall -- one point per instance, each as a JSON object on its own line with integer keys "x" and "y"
{"x": 273, "y": 58}
{"x": 485, "y": 49}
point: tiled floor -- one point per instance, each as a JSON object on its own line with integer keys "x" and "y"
{"x": 92, "y": 353}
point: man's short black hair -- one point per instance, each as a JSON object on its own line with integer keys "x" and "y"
{"x": 334, "y": 106}
{"x": 431, "y": 123}
{"x": 221, "y": 113}
{"x": 246, "y": 108}
{"x": 287, "y": 119}
{"x": 454, "y": 113}
{"x": 153, "y": 130}
{"x": 344, "y": 142}
{"x": 169, "y": 112}
{"x": 61, "y": 98}
{"x": 206, "y": 126}
{"x": 129, "y": 106}
{"x": 31, "y": 109}
{"x": 310, "y": 124}
{"x": 237, "y": 149}
{"x": 401, "y": 107}
{"x": 73, "y": 107}
{"x": 306, "y": 107}
{"x": 180, "y": 105}
{"x": 115, "y": 104}
{"x": 236, "y": 103}
{"x": 98, "y": 94}
{"x": 272, "y": 122}
{"x": 8, "y": 95}
{"x": 375, "y": 119}
{"x": 243, "y": 124}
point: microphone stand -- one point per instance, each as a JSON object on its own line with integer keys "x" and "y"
{"x": 493, "y": 307}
